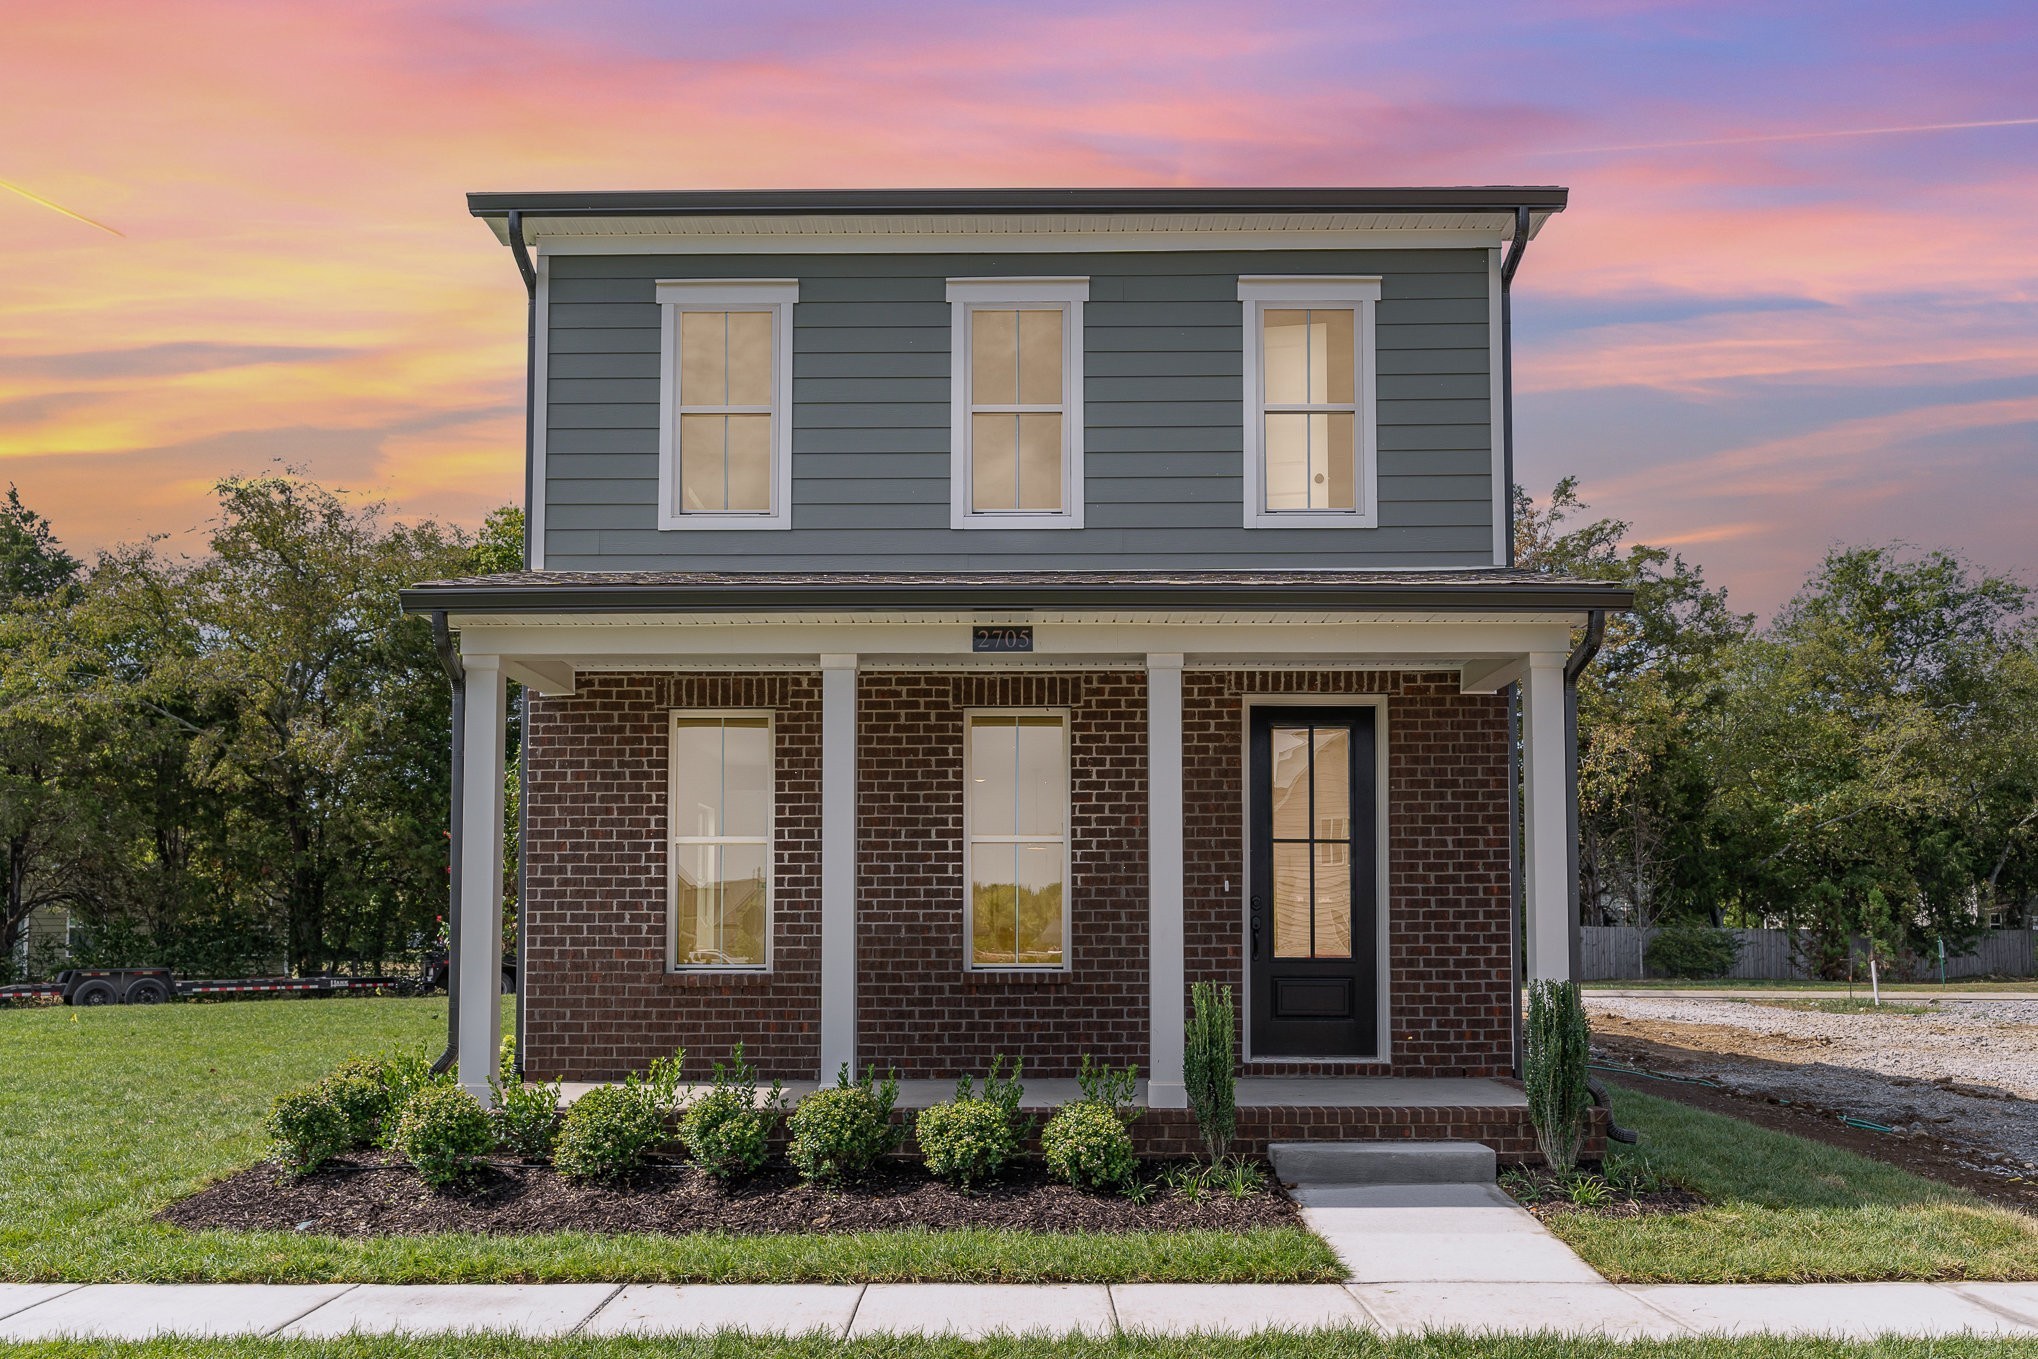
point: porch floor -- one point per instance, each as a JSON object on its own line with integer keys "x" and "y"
{"x": 1253, "y": 1092}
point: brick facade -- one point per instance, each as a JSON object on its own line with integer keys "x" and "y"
{"x": 599, "y": 1001}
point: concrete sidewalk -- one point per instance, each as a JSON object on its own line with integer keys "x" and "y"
{"x": 143, "y": 1311}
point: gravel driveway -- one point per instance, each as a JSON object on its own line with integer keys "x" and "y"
{"x": 1966, "y": 1073}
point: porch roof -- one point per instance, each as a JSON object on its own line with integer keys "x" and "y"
{"x": 1506, "y": 589}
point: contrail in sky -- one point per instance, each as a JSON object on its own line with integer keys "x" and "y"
{"x": 1795, "y": 136}
{"x": 58, "y": 207}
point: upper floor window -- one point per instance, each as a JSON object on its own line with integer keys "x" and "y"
{"x": 1016, "y": 379}
{"x": 1310, "y": 425}
{"x": 721, "y": 822}
{"x": 725, "y": 402}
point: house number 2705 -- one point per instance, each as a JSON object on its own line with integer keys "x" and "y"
{"x": 1001, "y": 639}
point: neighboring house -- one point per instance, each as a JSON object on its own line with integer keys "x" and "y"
{"x": 959, "y": 620}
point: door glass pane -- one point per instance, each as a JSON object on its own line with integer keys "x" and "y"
{"x": 1290, "y": 755}
{"x": 993, "y": 883}
{"x": 703, "y": 358}
{"x": 1040, "y": 478}
{"x": 1286, "y": 450}
{"x": 1333, "y": 901}
{"x": 1291, "y": 901}
{"x": 746, "y": 777}
{"x": 749, "y": 358}
{"x": 741, "y": 886}
{"x": 1284, "y": 356}
{"x": 1332, "y": 776}
{"x": 994, "y": 462}
{"x": 1041, "y": 778}
{"x": 1040, "y": 358}
{"x": 1040, "y": 898}
{"x": 700, "y": 461}
{"x": 994, "y": 357}
{"x": 749, "y": 469}
{"x": 697, "y": 778}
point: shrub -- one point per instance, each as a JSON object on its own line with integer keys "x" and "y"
{"x": 308, "y": 1129}
{"x": 1554, "y": 1070}
{"x": 969, "y": 1139}
{"x": 444, "y": 1134}
{"x": 1209, "y": 1066}
{"x": 526, "y": 1118}
{"x": 1111, "y": 1087}
{"x": 1693, "y": 952}
{"x": 607, "y": 1135}
{"x": 837, "y": 1135}
{"x": 727, "y": 1132}
{"x": 357, "y": 1091}
{"x": 1086, "y": 1144}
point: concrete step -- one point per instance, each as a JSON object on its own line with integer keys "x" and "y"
{"x": 1321, "y": 1163}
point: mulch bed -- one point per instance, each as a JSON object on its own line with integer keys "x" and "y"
{"x": 371, "y": 1195}
{"x": 1547, "y": 1196}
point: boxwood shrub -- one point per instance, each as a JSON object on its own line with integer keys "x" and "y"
{"x": 444, "y": 1134}
{"x": 1086, "y": 1144}
{"x": 838, "y": 1135}
{"x": 308, "y": 1129}
{"x": 608, "y": 1135}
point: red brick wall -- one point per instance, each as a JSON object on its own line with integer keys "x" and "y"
{"x": 917, "y": 1009}
{"x": 598, "y": 999}
{"x": 1448, "y": 924}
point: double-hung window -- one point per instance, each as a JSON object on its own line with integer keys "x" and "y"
{"x": 721, "y": 822}
{"x": 1311, "y": 432}
{"x": 1016, "y": 384}
{"x": 1016, "y": 851}
{"x": 725, "y": 402}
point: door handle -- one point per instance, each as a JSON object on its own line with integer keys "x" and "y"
{"x": 1256, "y": 926}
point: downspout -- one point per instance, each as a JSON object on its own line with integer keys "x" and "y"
{"x": 1582, "y": 656}
{"x": 1508, "y": 266}
{"x": 456, "y": 675}
{"x": 522, "y": 252}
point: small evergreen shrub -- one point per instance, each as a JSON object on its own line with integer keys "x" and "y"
{"x": 526, "y": 1118}
{"x": 726, "y": 1131}
{"x": 607, "y": 1135}
{"x": 1086, "y": 1144}
{"x": 444, "y": 1134}
{"x": 1692, "y": 952}
{"x": 1554, "y": 1074}
{"x": 838, "y": 1135}
{"x": 971, "y": 1138}
{"x": 308, "y": 1130}
{"x": 356, "y": 1089}
{"x": 1209, "y": 1066}
{"x": 1111, "y": 1087}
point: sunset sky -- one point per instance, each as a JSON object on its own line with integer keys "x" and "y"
{"x": 1794, "y": 301}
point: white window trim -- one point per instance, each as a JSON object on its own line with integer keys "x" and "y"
{"x": 673, "y": 841}
{"x": 1362, "y": 292}
{"x": 966, "y": 295}
{"x": 722, "y": 294}
{"x": 969, "y": 963}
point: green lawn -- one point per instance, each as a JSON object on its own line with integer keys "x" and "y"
{"x": 112, "y": 1113}
{"x": 1787, "y": 1210}
{"x": 2016, "y": 985}
{"x": 1346, "y": 1344}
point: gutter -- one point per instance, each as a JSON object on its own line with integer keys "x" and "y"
{"x": 1515, "y": 249}
{"x": 1581, "y": 656}
{"x": 456, "y": 675}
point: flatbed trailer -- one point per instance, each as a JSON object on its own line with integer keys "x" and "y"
{"x": 155, "y": 985}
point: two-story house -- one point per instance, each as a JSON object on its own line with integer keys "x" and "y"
{"x": 957, "y": 621}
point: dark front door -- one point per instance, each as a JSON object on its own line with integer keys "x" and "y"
{"x": 1311, "y": 910}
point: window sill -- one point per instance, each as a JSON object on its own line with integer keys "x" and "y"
{"x": 698, "y": 523}
{"x": 714, "y": 978}
{"x": 1312, "y": 519}
{"x": 1005, "y": 979}
{"x": 1016, "y": 521}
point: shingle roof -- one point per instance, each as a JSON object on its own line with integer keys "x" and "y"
{"x": 719, "y": 591}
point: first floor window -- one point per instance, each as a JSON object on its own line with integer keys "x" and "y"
{"x": 1015, "y": 811}
{"x": 726, "y": 397}
{"x": 721, "y": 840}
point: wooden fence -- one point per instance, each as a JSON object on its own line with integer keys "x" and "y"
{"x": 1614, "y": 953}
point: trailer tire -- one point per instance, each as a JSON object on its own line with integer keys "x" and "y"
{"x": 147, "y": 991}
{"x": 95, "y": 993}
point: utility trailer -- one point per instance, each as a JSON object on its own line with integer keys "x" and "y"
{"x": 154, "y": 985}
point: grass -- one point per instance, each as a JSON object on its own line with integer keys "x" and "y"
{"x": 1325, "y": 1344}
{"x": 2024, "y": 985}
{"x": 110, "y": 1114}
{"x": 1784, "y": 1209}
{"x": 1846, "y": 1005}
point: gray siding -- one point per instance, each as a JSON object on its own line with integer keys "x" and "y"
{"x": 1163, "y": 440}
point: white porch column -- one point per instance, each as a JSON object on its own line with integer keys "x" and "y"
{"x": 480, "y": 959}
{"x": 838, "y": 865}
{"x": 1546, "y": 867}
{"x": 1164, "y": 881}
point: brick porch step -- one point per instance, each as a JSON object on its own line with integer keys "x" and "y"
{"x": 1328, "y": 1163}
